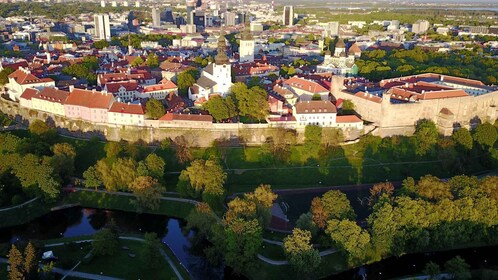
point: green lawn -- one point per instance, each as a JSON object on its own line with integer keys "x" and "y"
{"x": 123, "y": 203}
{"x": 3, "y": 271}
{"x": 272, "y": 251}
{"x": 121, "y": 265}
{"x": 24, "y": 214}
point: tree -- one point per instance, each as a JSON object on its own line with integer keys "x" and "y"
{"x": 350, "y": 237}
{"x": 251, "y": 102}
{"x": 432, "y": 270}
{"x": 113, "y": 149}
{"x": 204, "y": 176}
{"x": 426, "y": 136}
{"x": 155, "y": 109}
{"x": 92, "y": 178}
{"x": 433, "y": 188}
{"x": 185, "y": 80}
{"x": 4, "y": 76}
{"x": 318, "y": 212}
{"x": 458, "y": 268}
{"x": 383, "y": 228}
{"x": 153, "y": 166}
{"x": 152, "y": 60}
{"x": 30, "y": 260}
{"x": 220, "y": 108}
{"x": 463, "y": 138}
{"x": 183, "y": 152}
{"x": 117, "y": 175}
{"x": 332, "y": 137}
{"x": 243, "y": 241}
{"x": 486, "y": 135}
{"x": 147, "y": 192}
{"x": 63, "y": 159}
{"x": 337, "y": 205}
{"x": 101, "y": 44}
{"x": 305, "y": 221}
{"x": 15, "y": 262}
{"x": 105, "y": 242}
{"x": 151, "y": 256}
{"x": 300, "y": 252}
{"x": 316, "y": 96}
{"x": 137, "y": 61}
{"x": 380, "y": 190}
{"x": 38, "y": 127}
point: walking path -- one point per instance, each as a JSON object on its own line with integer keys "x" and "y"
{"x": 161, "y": 250}
{"x": 19, "y": 206}
{"x": 278, "y": 263}
{"x": 78, "y": 274}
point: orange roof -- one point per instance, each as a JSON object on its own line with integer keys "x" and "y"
{"x": 29, "y": 93}
{"x": 348, "y": 119}
{"x": 315, "y": 107}
{"x": 115, "y": 86}
{"x": 52, "y": 94}
{"x": 164, "y": 85}
{"x": 24, "y": 77}
{"x": 442, "y": 94}
{"x": 368, "y": 96}
{"x": 307, "y": 85}
{"x": 186, "y": 117}
{"x": 90, "y": 99}
{"x": 126, "y": 108}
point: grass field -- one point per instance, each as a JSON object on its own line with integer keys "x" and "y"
{"x": 123, "y": 203}
{"x": 24, "y": 214}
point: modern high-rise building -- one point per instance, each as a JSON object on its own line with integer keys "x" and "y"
{"x": 230, "y": 19}
{"x": 156, "y": 17}
{"x": 102, "y": 27}
{"x": 420, "y": 26}
{"x": 190, "y": 11}
{"x": 288, "y": 16}
{"x": 168, "y": 16}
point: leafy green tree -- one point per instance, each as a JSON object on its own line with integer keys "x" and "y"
{"x": 117, "y": 175}
{"x": 251, "y": 102}
{"x": 150, "y": 255}
{"x": 63, "y": 159}
{"x": 243, "y": 241}
{"x": 432, "y": 269}
{"x": 38, "y": 127}
{"x": 185, "y": 80}
{"x": 221, "y": 108}
{"x": 486, "y": 135}
{"x": 4, "y": 76}
{"x": 147, "y": 191}
{"x": 203, "y": 176}
{"x": 463, "y": 138}
{"x": 316, "y": 96}
{"x": 305, "y": 222}
{"x": 426, "y": 136}
{"x": 113, "y": 149}
{"x": 101, "y": 44}
{"x": 433, "y": 188}
{"x": 300, "y": 252}
{"x": 348, "y": 236}
{"x": 337, "y": 205}
{"x": 92, "y": 178}
{"x": 153, "y": 165}
{"x": 30, "y": 261}
{"x": 332, "y": 137}
{"x": 15, "y": 261}
{"x": 138, "y": 61}
{"x": 152, "y": 60}
{"x": 458, "y": 268}
{"x": 155, "y": 109}
{"x": 105, "y": 242}
{"x": 383, "y": 228}
{"x": 182, "y": 149}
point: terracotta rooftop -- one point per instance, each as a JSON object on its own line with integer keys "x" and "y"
{"x": 89, "y": 99}
{"x": 163, "y": 85}
{"x": 186, "y": 117}
{"x": 24, "y": 77}
{"x": 126, "y": 108}
{"x": 115, "y": 86}
{"x": 52, "y": 94}
{"x": 315, "y": 107}
{"x": 306, "y": 85}
{"x": 29, "y": 93}
{"x": 348, "y": 119}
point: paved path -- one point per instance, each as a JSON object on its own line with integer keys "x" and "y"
{"x": 161, "y": 250}
{"x": 278, "y": 263}
{"x": 75, "y": 273}
{"x": 279, "y": 243}
{"x": 19, "y": 206}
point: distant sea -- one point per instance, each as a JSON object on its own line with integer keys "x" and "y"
{"x": 356, "y": 7}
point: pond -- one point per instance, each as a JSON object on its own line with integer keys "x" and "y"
{"x": 83, "y": 221}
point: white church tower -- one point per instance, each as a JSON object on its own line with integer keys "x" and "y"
{"x": 246, "y": 49}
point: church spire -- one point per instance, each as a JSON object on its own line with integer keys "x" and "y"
{"x": 222, "y": 58}
{"x": 246, "y": 33}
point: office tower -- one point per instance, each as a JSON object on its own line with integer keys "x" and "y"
{"x": 241, "y": 18}
{"x": 102, "y": 27}
{"x": 333, "y": 28}
{"x": 420, "y": 26}
{"x": 179, "y": 20}
{"x": 288, "y": 17}
{"x": 230, "y": 19}
{"x": 156, "y": 17}
{"x": 190, "y": 11}
{"x": 199, "y": 19}
{"x": 168, "y": 16}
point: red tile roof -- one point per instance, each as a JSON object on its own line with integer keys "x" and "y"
{"x": 115, "y": 86}
{"x": 306, "y": 85}
{"x": 89, "y": 99}
{"x": 368, "y": 96}
{"x": 348, "y": 119}
{"x": 164, "y": 85}
{"x": 126, "y": 108}
{"x": 53, "y": 95}
{"x": 29, "y": 93}
{"x": 24, "y": 77}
